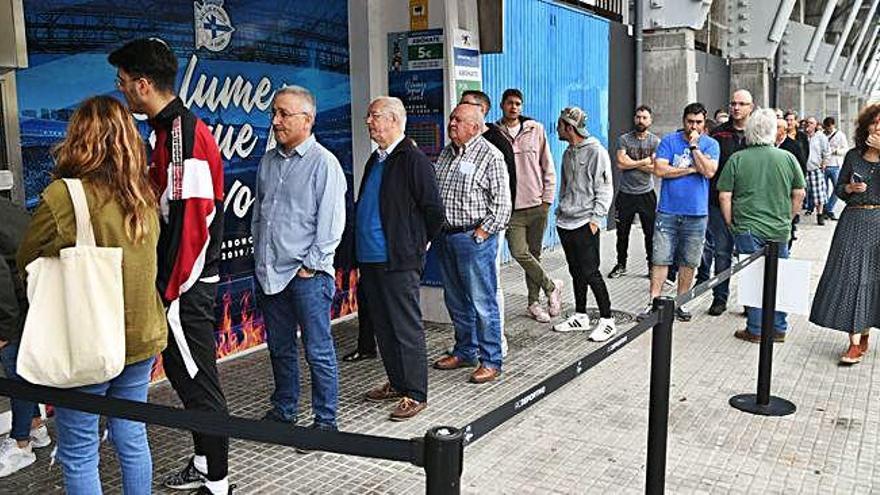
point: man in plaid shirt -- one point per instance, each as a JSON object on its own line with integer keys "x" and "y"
{"x": 473, "y": 181}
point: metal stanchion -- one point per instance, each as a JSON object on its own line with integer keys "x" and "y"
{"x": 763, "y": 403}
{"x": 658, "y": 408}
{"x": 444, "y": 455}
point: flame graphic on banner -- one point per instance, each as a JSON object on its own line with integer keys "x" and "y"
{"x": 243, "y": 329}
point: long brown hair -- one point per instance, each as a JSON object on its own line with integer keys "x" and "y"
{"x": 103, "y": 146}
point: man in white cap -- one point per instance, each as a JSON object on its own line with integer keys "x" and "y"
{"x": 584, "y": 198}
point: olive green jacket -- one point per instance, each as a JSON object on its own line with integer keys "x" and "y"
{"x": 53, "y": 228}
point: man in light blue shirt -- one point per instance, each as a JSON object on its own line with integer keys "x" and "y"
{"x": 297, "y": 222}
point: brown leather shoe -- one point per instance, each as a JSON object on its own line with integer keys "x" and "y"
{"x": 747, "y": 336}
{"x": 407, "y": 408}
{"x": 452, "y": 363}
{"x": 863, "y": 343}
{"x": 383, "y": 393}
{"x": 484, "y": 374}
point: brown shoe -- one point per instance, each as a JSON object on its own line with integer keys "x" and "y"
{"x": 863, "y": 343}
{"x": 747, "y": 336}
{"x": 452, "y": 363}
{"x": 852, "y": 355}
{"x": 484, "y": 374}
{"x": 383, "y": 393}
{"x": 407, "y": 408}
{"x": 778, "y": 337}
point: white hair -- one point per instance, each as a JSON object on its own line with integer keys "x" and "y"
{"x": 393, "y": 106}
{"x": 761, "y": 127}
{"x": 310, "y": 106}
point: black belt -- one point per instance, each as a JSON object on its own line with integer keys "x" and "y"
{"x": 458, "y": 230}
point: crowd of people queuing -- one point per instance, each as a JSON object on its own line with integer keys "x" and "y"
{"x": 725, "y": 186}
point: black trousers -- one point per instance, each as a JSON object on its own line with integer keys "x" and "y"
{"x": 203, "y": 392}
{"x": 393, "y": 299}
{"x": 366, "y": 334}
{"x": 581, "y": 248}
{"x": 627, "y": 207}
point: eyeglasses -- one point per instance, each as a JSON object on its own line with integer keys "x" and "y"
{"x": 374, "y": 115}
{"x": 284, "y": 114}
{"x": 120, "y": 82}
{"x": 740, "y": 104}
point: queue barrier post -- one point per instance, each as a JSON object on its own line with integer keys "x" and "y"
{"x": 762, "y": 402}
{"x": 658, "y": 407}
{"x": 444, "y": 458}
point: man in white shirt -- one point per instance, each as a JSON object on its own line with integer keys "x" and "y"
{"x": 839, "y": 146}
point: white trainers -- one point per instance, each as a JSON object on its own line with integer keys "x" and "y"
{"x": 575, "y": 323}
{"x": 538, "y": 313}
{"x": 504, "y": 347}
{"x": 554, "y": 300}
{"x": 40, "y": 437}
{"x": 13, "y": 458}
{"x": 604, "y": 330}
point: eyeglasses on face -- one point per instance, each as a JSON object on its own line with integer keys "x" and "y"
{"x": 284, "y": 114}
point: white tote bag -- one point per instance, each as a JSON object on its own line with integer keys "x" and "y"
{"x": 74, "y": 333}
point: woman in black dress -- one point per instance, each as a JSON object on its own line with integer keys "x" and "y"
{"x": 848, "y": 296}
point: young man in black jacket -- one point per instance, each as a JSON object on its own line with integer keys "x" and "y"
{"x": 399, "y": 212}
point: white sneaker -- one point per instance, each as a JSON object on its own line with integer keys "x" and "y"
{"x": 504, "y": 347}
{"x": 13, "y": 458}
{"x": 604, "y": 330}
{"x": 40, "y": 437}
{"x": 538, "y": 313}
{"x": 575, "y": 323}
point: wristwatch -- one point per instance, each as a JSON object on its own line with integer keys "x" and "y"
{"x": 692, "y": 147}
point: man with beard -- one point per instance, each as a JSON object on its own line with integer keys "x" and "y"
{"x": 635, "y": 159}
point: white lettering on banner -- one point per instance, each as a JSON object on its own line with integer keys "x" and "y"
{"x": 529, "y": 398}
{"x": 238, "y": 92}
{"x": 240, "y": 197}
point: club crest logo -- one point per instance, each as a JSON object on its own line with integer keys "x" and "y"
{"x": 213, "y": 28}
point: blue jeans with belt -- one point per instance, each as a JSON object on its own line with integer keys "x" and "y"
{"x": 748, "y": 243}
{"x": 23, "y": 411}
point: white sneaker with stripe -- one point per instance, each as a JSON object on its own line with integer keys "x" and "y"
{"x": 577, "y": 322}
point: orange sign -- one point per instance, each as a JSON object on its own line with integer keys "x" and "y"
{"x": 418, "y": 15}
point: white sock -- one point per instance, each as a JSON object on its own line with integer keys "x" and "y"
{"x": 219, "y": 487}
{"x": 201, "y": 463}
{"x": 582, "y": 316}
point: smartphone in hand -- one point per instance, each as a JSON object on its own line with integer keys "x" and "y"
{"x": 856, "y": 178}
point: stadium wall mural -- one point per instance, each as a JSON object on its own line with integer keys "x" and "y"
{"x": 233, "y": 55}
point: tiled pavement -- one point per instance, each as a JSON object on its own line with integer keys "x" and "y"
{"x": 590, "y": 436}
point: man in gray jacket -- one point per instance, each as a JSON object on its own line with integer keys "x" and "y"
{"x": 584, "y": 197}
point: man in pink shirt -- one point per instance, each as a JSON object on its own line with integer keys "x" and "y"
{"x": 532, "y": 194}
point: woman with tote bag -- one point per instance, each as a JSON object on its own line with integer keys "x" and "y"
{"x": 104, "y": 153}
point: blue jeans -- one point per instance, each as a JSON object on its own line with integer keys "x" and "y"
{"x": 718, "y": 250}
{"x": 831, "y": 174}
{"x": 747, "y": 243}
{"x": 678, "y": 239}
{"x": 304, "y": 303}
{"x": 78, "y": 437}
{"x": 22, "y": 411}
{"x": 470, "y": 284}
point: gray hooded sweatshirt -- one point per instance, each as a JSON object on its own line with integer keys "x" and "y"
{"x": 585, "y": 192}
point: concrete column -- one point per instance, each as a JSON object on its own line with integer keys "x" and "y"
{"x": 854, "y": 106}
{"x": 832, "y": 103}
{"x": 670, "y": 76}
{"x": 751, "y": 74}
{"x": 790, "y": 93}
{"x": 814, "y": 100}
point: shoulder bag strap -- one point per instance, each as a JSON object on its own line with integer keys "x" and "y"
{"x": 85, "y": 236}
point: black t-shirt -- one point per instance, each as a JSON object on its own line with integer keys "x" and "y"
{"x": 792, "y": 146}
{"x": 730, "y": 140}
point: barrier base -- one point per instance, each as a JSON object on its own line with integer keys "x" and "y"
{"x": 776, "y": 407}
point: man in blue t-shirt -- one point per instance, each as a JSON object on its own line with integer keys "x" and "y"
{"x": 685, "y": 160}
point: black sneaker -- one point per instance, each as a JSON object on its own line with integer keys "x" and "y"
{"x": 188, "y": 478}
{"x": 717, "y": 308}
{"x": 316, "y": 426}
{"x": 820, "y": 219}
{"x": 830, "y": 216}
{"x": 274, "y": 415}
{"x": 682, "y": 314}
{"x": 618, "y": 271}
